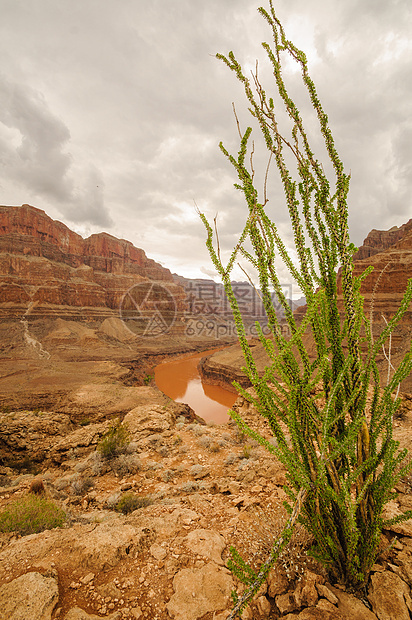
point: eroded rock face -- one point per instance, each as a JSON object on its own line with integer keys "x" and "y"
{"x": 29, "y": 596}
{"x": 29, "y": 435}
{"x": 380, "y": 240}
{"x": 44, "y": 263}
{"x": 390, "y": 255}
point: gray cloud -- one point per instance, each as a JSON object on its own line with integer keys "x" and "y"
{"x": 34, "y": 154}
{"x": 113, "y": 112}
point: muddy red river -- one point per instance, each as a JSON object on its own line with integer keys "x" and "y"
{"x": 180, "y": 380}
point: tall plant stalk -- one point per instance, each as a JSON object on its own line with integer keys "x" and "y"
{"x": 341, "y": 459}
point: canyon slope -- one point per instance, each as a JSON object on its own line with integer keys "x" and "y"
{"x": 82, "y": 320}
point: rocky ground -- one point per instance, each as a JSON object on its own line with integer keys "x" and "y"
{"x": 202, "y": 488}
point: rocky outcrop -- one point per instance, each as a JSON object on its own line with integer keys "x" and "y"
{"x": 198, "y": 591}
{"x": 28, "y": 231}
{"x": 29, "y": 596}
{"x": 168, "y": 559}
{"x": 54, "y": 270}
{"x": 383, "y": 289}
{"x": 392, "y": 267}
{"x": 225, "y": 366}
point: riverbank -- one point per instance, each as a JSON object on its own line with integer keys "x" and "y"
{"x": 182, "y": 381}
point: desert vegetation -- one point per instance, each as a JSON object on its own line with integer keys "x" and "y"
{"x": 31, "y": 514}
{"x": 332, "y": 421}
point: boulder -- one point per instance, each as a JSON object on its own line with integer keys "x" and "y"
{"x": 199, "y": 591}
{"x": 29, "y": 596}
{"x": 145, "y": 420}
{"x": 351, "y": 607}
{"x": 206, "y": 543}
{"x": 76, "y": 613}
{"x": 306, "y": 594}
{"x": 277, "y": 581}
{"x": 314, "y": 613}
{"x": 98, "y": 547}
{"x": 389, "y": 596}
{"x": 87, "y": 436}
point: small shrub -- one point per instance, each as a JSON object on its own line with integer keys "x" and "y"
{"x": 247, "y": 451}
{"x": 154, "y": 440}
{"x": 132, "y": 447}
{"x": 163, "y": 451}
{"x": 199, "y": 430}
{"x": 177, "y": 440}
{"x": 5, "y": 481}
{"x": 84, "y": 422}
{"x": 215, "y": 446}
{"x": 98, "y": 465}
{"x": 148, "y": 379}
{"x": 37, "y": 487}
{"x": 239, "y": 437}
{"x": 189, "y": 487}
{"x": 168, "y": 475}
{"x": 126, "y": 464}
{"x": 30, "y": 515}
{"x": 231, "y": 458}
{"x": 80, "y": 486}
{"x": 153, "y": 465}
{"x": 204, "y": 442}
{"x": 114, "y": 442}
{"x": 129, "y": 502}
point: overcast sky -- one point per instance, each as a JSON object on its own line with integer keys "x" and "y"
{"x": 111, "y": 112}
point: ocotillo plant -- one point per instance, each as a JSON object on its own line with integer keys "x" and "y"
{"x": 341, "y": 459}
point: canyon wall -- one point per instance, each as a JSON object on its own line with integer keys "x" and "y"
{"x": 50, "y": 269}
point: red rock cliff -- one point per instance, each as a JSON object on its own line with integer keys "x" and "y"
{"x": 379, "y": 240}
{"x": 44, "y": 262}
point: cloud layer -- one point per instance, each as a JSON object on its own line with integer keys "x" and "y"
{"x": 111, "y": 112}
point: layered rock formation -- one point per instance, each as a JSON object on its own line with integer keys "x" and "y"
{"x": 45, "y": 264}
{"x": 378, "y": 241}
{"x": 383, "y": 289}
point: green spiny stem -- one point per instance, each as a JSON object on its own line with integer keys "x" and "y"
{"x": 342, "y": 462}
